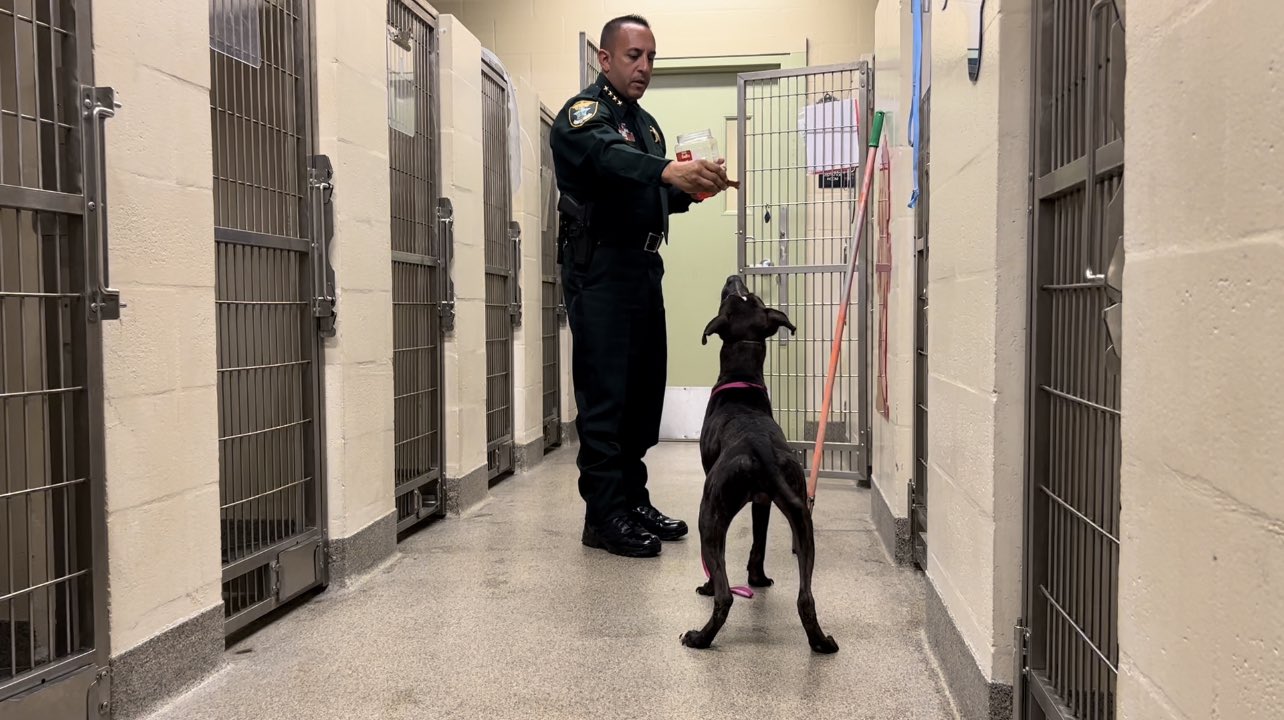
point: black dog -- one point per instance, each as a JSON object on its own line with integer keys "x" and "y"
{"x": 747, "y": 459}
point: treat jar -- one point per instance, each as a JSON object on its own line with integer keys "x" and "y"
{"x": 697, "y": 145}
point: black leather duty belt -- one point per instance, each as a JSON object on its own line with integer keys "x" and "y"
{"x": 649, "y": 242}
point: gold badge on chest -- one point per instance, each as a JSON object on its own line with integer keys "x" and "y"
{"x": 655, "y": 135}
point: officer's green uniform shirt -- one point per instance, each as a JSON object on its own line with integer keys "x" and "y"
{"x": 609, "y": 152}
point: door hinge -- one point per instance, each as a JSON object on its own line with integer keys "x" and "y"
{"x": 100, "y": 693}
{"x": 447, "y": 314}
{"x": 275, "y": 570}
{"x": 1020, "y": 657}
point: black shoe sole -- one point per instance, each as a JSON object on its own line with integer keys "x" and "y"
{"x": 590, "y": 539}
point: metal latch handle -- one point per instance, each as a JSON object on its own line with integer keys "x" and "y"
{"x": 100, "y": 104}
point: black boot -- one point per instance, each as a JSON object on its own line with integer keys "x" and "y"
{"x": 660, "y": 525}
{"x": 619, "y": 536}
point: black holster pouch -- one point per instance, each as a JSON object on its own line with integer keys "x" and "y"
{"x": 573, "y": 240}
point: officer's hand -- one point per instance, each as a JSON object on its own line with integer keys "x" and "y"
{"x": 695, "y": 176}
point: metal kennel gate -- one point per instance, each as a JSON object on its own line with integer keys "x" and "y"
{"x": 551, "y": 287}
{"x": 503, "y": 311}
{"x": 1069, "y": 649}
{"x": 275, "y": 301}
{"x": 590, "y": 68}
{"x": 420, "y": 252}
{"x": 54, "y": 297}
{"x": 797, "y": 212}
{"x": 918, "y": 480}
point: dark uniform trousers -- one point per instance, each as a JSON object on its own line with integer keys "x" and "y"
{"x": 619, "y": 357}
{"x": 609, "y": 155}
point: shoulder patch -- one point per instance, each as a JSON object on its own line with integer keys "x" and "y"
{"x": 582, "y": 111}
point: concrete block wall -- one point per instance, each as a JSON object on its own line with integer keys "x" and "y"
{"x": 539, "y": 39}
{"x": 461, "y": 169}
{"x": 159, "y": 359}
{"x": 528, "y": 340}
{"x": 892, "y": 441}
{"x": 165, "y": 604}
{"x": 976, "y": 336}
{"x": 352, "y": 127}
{"x": 1201, "y": 433}
{"x": 1202, "y": 392}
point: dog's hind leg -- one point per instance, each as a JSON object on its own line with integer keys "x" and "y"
{"x": 758, "y": 552}
{"x": 795, "y": 508}
{"x": 717, "y": 509}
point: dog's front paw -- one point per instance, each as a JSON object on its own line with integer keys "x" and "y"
{"x": 760, "y": 580}
{"x": 825, "y": 645}
{"x": 706, "y": 589}
{"x": 695, "y": 639}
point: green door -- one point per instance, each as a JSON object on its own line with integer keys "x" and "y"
{"x": 702, "y": 243}
{"x": 702, "y": 247}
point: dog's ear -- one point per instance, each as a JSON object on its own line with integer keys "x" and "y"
{"x": 777, "y": 320}
{"x": 718, "y": 325}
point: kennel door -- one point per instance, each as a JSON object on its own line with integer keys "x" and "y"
{"x": 796, "y": 216}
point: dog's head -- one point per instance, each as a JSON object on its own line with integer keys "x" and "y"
{"x": 743, "y": 317}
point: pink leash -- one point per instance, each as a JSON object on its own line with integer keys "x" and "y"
{"x": 741, "y": 590}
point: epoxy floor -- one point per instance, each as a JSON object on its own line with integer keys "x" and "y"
{"x": 504, "y": 614}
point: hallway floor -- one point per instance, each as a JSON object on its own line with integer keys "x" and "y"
{"x": 504, "y": 614}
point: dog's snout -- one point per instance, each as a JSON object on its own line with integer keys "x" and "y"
{"x": 735, "y": 285}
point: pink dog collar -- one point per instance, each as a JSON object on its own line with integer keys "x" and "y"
{"x": 731, "y": 385}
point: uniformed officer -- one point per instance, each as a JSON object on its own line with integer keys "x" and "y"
{"x": 617, "y": 190}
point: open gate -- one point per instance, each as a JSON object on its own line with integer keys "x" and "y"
{"x": 54, "y": 297}
{"x": 551, "y": 288}
{"x": 1069, "y": 647}
{"x": 274, "y": 294}
{"x": 797, "y": 212}
{"x": 419, "y": 263}
{"x": 503, "y": 308}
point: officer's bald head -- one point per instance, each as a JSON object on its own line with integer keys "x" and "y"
{"x": 627, "y": 54}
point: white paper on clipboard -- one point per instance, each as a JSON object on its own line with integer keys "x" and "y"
{"x": 831, "y": 135}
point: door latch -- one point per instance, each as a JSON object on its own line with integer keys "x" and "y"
{"x": 99, "y": 105}
{"x": 321, "y": 181}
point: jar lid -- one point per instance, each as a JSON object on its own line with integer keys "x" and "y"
{"x": 697, "y": 135}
